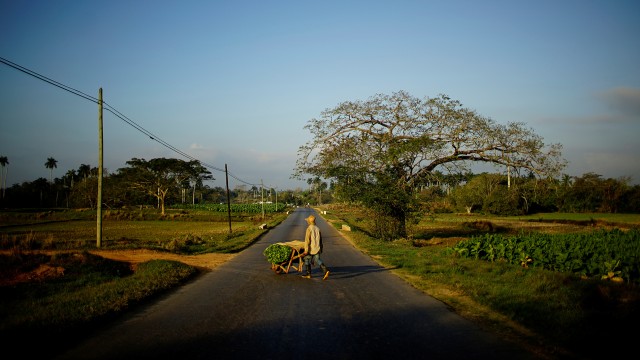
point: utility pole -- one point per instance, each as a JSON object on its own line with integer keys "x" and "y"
{"x": 262, "y": 197}
{"x": 100, "y": 158}
{"x": 226, "y": 173}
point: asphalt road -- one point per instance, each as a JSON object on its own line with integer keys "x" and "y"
{"x": 242, "y": 310}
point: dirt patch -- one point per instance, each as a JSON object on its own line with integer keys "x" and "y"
{"x": 203, "y": 261}
{"x": 43, "y": 272}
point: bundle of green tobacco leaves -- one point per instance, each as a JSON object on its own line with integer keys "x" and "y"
{"x": 277, "y": 253}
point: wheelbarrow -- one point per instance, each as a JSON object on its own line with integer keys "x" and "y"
{"x": 295, "y": 258}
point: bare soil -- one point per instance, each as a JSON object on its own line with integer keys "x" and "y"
{"x": 205, "y": 262}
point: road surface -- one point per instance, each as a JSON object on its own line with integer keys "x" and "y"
{"x": 242, "y": 310}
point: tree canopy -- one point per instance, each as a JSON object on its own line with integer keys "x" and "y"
{"x": 379, "y": 150}
{"x": 157, "y": 176}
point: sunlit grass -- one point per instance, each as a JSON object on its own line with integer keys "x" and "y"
{"x": 193, "y": 233}
{"x": 615, "y": 218}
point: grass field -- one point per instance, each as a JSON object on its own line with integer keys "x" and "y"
{"x": 179, "y": 231}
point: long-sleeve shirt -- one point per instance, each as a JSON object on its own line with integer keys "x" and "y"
{"x": 313, "y": 240}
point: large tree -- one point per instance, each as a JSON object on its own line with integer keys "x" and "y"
{"x": 157, "y": 177}
{"x": 380, "y": 150}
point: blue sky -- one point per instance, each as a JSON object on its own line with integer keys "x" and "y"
{"x": 234, "y": 82}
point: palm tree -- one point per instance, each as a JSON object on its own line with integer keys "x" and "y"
{"x": 69, "y": 176}
{"x": 3, "y": 173}
{"x": 51, "y": 164}
{"x": 67, "y": 189}
{"x": 84, "y": 170}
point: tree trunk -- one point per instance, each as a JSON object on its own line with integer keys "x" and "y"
{"x": 162, "y": 195}
{"x": 402, "y": 225}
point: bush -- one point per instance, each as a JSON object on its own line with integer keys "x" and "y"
{"x": 501, "y": 201}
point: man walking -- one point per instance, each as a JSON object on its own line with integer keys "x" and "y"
{"x": 313, "y": 248}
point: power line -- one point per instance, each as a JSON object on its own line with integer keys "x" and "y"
{"x": 116, "y": 113}
{"x": 50, "y": 81}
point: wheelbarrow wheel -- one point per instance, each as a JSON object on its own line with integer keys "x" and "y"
{"x": 276, "y": 268}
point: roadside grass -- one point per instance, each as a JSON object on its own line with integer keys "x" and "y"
{"x": 557, "y": 315}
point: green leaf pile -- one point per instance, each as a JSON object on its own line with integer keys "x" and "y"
{"x": 276, "y": 253}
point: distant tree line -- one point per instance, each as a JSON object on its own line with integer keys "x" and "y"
{"x": 492, "y": 194}
{"x": 153, "y": 183}
{"x": 138, "y": 184}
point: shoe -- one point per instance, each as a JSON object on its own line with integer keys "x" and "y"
{"x": 326, "y": 275}
{"x": 308, "y": 276}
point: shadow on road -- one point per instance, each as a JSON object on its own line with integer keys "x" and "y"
{"x": 346, "y": 272}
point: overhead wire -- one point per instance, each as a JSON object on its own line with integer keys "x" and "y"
{"x": 119, "y": 115}
{"x": 48, "y": 80}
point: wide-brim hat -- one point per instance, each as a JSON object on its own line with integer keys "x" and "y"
{"x": 311, "y": 219}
